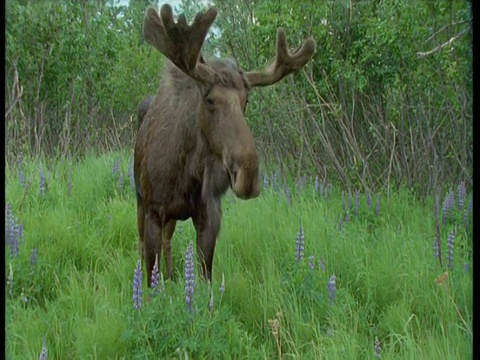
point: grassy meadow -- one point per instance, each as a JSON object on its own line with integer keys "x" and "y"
{"x": 364, "y": 287}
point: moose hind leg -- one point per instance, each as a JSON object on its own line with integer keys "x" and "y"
{"x": 207, "y": 225}
{"x": 140, "y": 225}
{"x": 151, "y": 243}
{"x": 167, "y": 233}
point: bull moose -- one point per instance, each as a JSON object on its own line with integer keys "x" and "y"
{"x": 193, "y": 142}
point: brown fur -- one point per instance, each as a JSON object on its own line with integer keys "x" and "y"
{"x": 193, "y": 141}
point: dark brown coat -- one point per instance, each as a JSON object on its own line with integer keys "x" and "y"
{"x": 193, "y": 141}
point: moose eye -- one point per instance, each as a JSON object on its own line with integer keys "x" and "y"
{"x": 210, "y": 102}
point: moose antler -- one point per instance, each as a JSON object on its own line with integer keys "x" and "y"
{"x": 284, "y": 62}
{"x": 179, "y": 42}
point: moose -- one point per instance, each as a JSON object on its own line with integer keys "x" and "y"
{"x": 193, "y": 142}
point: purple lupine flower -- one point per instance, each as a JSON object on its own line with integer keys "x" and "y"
{"x": 356, "y": 203}
{"x": 321, "y": 264}
{"x": 436, "y": 252}
{"x": 288, "y": 196}
{"x": 21, "y": 175}
{"x": 343, "y": 202}
{"x": 130, "y": 174}
{"x": 349, "y": 199}
{"x": 222, "y": 286}
{"x": 447, "y": 207}
{"x": 369, "y": 198}
{"x": 210, "y": 303}
{"x": 378, "y": 205}
{"x": 44, "y": 353}
{"x": 10, "y": 280}
{"x": 332, "y": 288}
{"x": 300, "y": 244}
{"x": 42, "y": 180}
{"x": 311, "y": 262}
{"x": 189, "y": 276}
{"x": 466, "y": 267}
{"x": 265, "y": 182}
{"x": 137, "y": 286}
{"x": 33, "y": 257}
{"x": 116, "y": 165}
{"x": 14, "y": 239}
{"x": 120, "y": 182}
{"x": 347, "y": 218}
{"x": 9, "y": 224}
{"x": 155, "y": 276}
{"x": 340, "y": 223}
{"x": 450, "y": 248}
{"x": 461, "y": 194}
{"x": 467, "y": 213}
{"x": 315, "y": 185}
{"x": 376, "y": 349}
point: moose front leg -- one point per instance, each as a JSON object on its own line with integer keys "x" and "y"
{"x": 151, "y": 243}
{"x": 167, "y": 233}
{"x": 207, "y": 225}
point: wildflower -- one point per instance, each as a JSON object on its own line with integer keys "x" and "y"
{"x": 10, "y": 280}
{"x": 116, "y": 165}
{"x": 9, "y": 224}
{"x": 349, "y": 199}
{"x": 447, "y": 207}
{"x": 436, "y": 252}
{"x": 288, "y": 195}
{"x": 467, "y": 213}
{"x": 265, "y": 181}
{"x": 210, "y": 304}
{"x": 15, "y": 235}
{"x": 461, "y": 195}
{"x": 137, "y": 286}
{"x": 356, "y": 203}
{"x": 300, "y": 244}
{"x": 33, "y": 257}
{"x": 222, "y": 286}
{"x": 311, "y": 262}
{"x": 316, "y": 184}
{"x": 466, "y": 267}
{"x": 120, "y": 181}
{"x": 189, "y": 276}
{"x": 347, "y": 218}
{"x": 321, "y": 264}
{"x": 23, "y": 298}
{"x": 369, "y": 198}
{"x": 130, "y": 174}
{"x": 376, "y": 348}
{"x": 21, "y": 175}
{"x": 343, "y": 201}
{"x": 155, "y": 275}
{"x": 273, "y": 180}
{"x": 44, "y": 353}
{"x": 332, "y": 288}
{"x": 378, "y": 205}
{"x": 450, "y": 248}
{"x": 42, "y": 181}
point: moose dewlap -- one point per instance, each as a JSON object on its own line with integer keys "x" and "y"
{"x": 193, "y": 142}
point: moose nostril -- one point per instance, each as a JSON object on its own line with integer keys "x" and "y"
{"x": 234, "y": 176}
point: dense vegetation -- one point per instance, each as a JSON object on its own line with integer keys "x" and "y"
{"x": 308, "y": 272}
{"x": 386, "y": 101}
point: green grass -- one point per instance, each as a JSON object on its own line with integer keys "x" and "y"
{"x": 80, "y": 290}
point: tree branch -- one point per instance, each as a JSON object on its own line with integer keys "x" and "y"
{"x": 441, "y": 46}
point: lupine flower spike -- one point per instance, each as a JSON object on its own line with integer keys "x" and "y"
{"x": 137, "y": 286}
{"x": 300, "y": 244}
{"x": 376, "y": 349}
{"x": 155, "y": 276}
{"x": 222, "y": 286}
{"x": 44, "y": 353}
{"x": 189, "y": 276}
{"x": 461, "y": 194}
{"x": 332, "y": 289}
{"x": 450, "y": 249}
{"x": 311, "y": 262}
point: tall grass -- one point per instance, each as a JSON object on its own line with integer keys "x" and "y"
{"x": 78, "y": 291}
